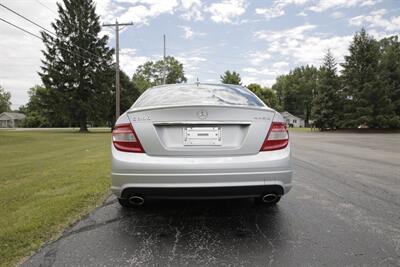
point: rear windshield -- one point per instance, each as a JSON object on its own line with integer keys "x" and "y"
{"x": 192, "y": 94}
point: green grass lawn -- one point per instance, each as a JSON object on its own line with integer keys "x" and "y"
{"x": 300, "y": 129}
{"x": 48, "y": 179}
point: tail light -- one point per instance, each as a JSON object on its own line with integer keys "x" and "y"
{"x": 125, "y": 139}
{"x": 277, "y": 137}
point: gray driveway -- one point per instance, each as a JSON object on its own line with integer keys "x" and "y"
{"x": 344, "y": 209}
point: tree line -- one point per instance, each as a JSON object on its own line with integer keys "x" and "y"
{"x": 78, "y": 88}
{"x": 364, "y": 93}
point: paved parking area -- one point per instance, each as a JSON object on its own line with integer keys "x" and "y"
{"x": 344, "y": 209}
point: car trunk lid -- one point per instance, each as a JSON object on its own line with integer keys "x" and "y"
{"x": 201, "y": 130}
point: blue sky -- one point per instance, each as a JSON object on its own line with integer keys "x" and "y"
{"x": 258, "y": 39}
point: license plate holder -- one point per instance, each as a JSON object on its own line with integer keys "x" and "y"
{"x": 202, "y": 136}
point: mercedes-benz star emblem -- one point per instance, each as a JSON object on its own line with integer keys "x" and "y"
{"x": 202, "y": 114}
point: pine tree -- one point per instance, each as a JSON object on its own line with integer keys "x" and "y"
{"x": 76, "y": 61}
{"x": 390, "y": 77}
{"x": 366, "y": 100}
{"x": 326, "y": 103}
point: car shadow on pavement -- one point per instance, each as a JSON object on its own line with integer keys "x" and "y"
{"x": 201, "y": 231}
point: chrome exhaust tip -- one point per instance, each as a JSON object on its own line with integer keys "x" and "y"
{"x": 136, "y": 200}
{"x": 269, "y": 198}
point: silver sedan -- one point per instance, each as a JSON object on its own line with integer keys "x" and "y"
{"x": 200, "y": 141}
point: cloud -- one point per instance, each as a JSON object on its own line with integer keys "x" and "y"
{"x": 302, "y": 46}
{"x": 377, "y": 19}
{"x": 295, "y": 33}
{"x": 249, "y": 78}
{"x": 276, "y": 69}
{"x": 192, "y": 10}
{"x": 259, "y": 57}
{"x": 189, "y": 33}
{"x": 302, "y": 14}
{"x": 270, "y": 13}
{"x": 278, "y": 8}
{"x": 226, "y": 11}
{"x": 337, "y": 15}
{"x": 324, "y": 5}
{"x": 146, "y": 9}
{"x": 130, "y": 60}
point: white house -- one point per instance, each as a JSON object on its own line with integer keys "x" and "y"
{"x": 292, "y": 120}
{"x": 11, "y": 119}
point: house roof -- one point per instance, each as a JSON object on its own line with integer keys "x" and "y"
{"x": 13, "y": 115}
{"x": 288, "y": 114}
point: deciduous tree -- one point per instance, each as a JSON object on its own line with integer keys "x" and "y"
{"x": 231, "y": 77}
{"x": 5, "y": 103}
{"x": 266, "y": 94}
{"x": 295, "y": 91}
{"x": 152, "y": 73}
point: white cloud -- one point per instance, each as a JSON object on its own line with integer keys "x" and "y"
{"x": 249, "y": 78}
{"x": 301, "y": 46}
{"x": 377, "y": 19}
{"x": 278, "y": 8}
{"x": 193, "y": 62}
{"x": 259, "y": 57}
{"x": 146, "y": 10}
{"x": 295, "y": 33}
{"x": 281, "y": 65}
{"x": 260, "y": 71}
{"x": 302, "y": 14}
{"x": 324, "y": 5}
{"x": 276, "y": 69}
{"x": 189, "y": 33}
{"x": 192, "y": 10}
{"x": 226, "y": 11}
{"x": 337, "y": 15}
{"x": 130, "y": 60}
{"x": 270, "y": 13}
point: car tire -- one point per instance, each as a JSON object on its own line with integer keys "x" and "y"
{"x": 258, "y": 200}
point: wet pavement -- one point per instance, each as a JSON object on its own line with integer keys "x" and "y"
{"x": 344, "y": 209}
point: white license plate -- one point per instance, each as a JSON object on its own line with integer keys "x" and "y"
{"x": 202, "y": 136}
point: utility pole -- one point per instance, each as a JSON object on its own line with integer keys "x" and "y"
{"x": 165, "y": 64}
{"x": 117, "y": 85}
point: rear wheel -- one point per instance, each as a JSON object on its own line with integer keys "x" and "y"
{"x": 259, "y": 200}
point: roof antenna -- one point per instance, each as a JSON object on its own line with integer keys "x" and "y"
{"x": 197, "y": 82}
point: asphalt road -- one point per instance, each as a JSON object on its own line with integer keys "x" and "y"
{"x": 344, "y": 209}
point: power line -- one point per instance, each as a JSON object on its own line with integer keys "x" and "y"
{"x": 43, "y": 28}
{"x": 25, "y": 18}
{"x": 43, "y": 5}
{"x": 22, "y": 29}
{"x": 37, "y": 36}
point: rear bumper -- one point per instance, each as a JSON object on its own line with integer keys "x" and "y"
{"x": 201, "y": 177}
{"x": 202, "y": 192}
